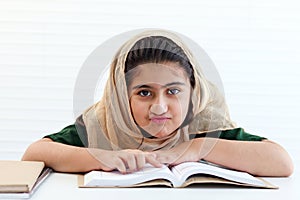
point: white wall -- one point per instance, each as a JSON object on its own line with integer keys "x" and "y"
{"x": 253, "y": 43}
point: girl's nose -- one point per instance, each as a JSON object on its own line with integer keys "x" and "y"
{"x": 158, "y": 109}
{"x": 159, "y": 105}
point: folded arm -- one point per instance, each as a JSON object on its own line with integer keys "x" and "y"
{"x": 60, "y": 157}
{"x": 262, "y": 158}
{"x": 68, "y": 158}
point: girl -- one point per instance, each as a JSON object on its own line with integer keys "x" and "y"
{"x": 157, "y": 108}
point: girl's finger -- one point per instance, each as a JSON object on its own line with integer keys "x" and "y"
{"x": 140, "y": 160}
{"x": 129, "y": 159}
{"x": 166, "y": 157}
{"x": 151, "y": 159}
{"x": 120, "y": 166}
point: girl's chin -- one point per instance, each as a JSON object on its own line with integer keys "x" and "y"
{"x": 155, "y": 131}
{"x": 158, "y": 134}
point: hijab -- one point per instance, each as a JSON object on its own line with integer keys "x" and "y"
{"x": 110, "y": 124}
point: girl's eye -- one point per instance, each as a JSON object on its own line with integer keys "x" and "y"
{"x": 173, "y": 91}
{"x": 144, "y": 93}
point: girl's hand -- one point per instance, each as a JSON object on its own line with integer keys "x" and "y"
{"x": 128, "y": 160}
{"x": 184, "y": 152}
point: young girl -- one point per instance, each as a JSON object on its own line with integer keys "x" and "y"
{"x": 157, "y": 108}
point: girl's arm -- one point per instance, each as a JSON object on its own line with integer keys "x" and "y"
{"x": 263, "y": 158}
{"x": 67, "y": 158}
{"x": 61, "y": 157}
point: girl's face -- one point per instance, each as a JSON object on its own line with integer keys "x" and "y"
{"x": 159, "y": 97}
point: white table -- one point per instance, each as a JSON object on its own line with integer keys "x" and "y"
{"x": 64, "y": 186}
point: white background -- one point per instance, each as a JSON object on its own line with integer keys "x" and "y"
{"x": 43, "y": 44}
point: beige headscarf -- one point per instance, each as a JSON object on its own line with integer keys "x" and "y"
{"x": 110, "y": 124}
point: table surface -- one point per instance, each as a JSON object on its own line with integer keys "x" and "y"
{"x": 64, "y": 186}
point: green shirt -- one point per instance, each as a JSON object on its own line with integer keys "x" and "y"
{"x": 76, "y": 135}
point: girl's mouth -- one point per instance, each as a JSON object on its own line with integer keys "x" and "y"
{"x": 159, "y": 120}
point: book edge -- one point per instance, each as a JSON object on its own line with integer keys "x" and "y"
{"x": 217, "y": 180}
{"x": 19, "y": 188}
{"x": 155, "y": 182}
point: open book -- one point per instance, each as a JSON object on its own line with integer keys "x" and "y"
{"x": 181, "y": 175}
{"x": 20, "y": 179}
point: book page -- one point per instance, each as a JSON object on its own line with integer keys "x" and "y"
{"x": 184, "y": 170}
{"x": 117, "y": 179}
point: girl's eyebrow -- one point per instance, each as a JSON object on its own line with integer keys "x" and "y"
{"x": 164, "y": 86}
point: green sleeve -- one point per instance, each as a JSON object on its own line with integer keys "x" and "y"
{"x": 234, "y": 134}
{"x": 68, "y": 135}
{"x": 240, "y": 134}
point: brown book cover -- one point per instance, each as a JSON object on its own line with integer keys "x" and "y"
{"x": 21, "y": 177}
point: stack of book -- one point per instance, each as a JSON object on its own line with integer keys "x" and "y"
{"x": 20, "y": 179}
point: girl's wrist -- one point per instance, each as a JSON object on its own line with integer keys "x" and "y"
{"x": 196, "y": 146}
{"x": 203, "y": 146}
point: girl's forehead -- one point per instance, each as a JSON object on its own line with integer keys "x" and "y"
{"x": 159, "y": 73}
